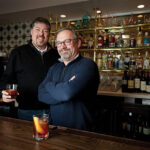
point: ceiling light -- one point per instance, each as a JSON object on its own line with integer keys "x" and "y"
{"x": 73, "y": 23}
{"x": 140, "y": 6}
{"x": 140, "y": 16}
{"x": 98, "y": 11}
{"x": 63, "y": 16}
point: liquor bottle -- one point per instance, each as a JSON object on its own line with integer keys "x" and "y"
{"x": 111, "y": 40}
{"x": 146, "y": 130}
{"x": 143, "y": 82}
{"x": 91, "y": 42}
{"x": 119, "y": 41}
{"x": 126, "y": 61}
{"x": 121, "y": 62}
{"x": 137, "y": 81}
{"x": 100, "y": 41}
{"x": 139, "y": 38}
{"x": 132, "y": 41}
{"x": 132, "y": 62}
{"x": 148, "y": 83}
{"x": 115, "y": 61}
{"x": 104, "y": 61}
{"x": 146, "y": 61}
{"x": 99, "y": 61}
{"x": 146, "y": 39}
{"x": 125, "y": 82}
{"x": 130, "y": 81}
{"x": 106, "y": 39}
{"x": 139, "y": 61}
{"x": 110, "y": 61}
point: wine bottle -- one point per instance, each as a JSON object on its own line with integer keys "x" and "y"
{"x": 125, "y": 82}
{"x": 137, "y": 81}
{"x": 143, "y": 82}
{"x": 148, "y": 83}
{"x": 130, "y": 82}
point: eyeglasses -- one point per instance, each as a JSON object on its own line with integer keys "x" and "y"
{"x": 67, "y": 42}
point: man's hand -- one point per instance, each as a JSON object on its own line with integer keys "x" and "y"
{"x": 6, "y": 97}
{"x": 72, "y": 78}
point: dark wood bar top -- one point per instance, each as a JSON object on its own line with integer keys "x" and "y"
{"x": 119, "y": 93}
{"x": 17, "y": 135}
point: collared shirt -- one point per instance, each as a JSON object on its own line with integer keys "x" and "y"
{"x": 41, "y": 51}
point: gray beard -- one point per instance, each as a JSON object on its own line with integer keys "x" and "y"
{"x": 66, "y": 58}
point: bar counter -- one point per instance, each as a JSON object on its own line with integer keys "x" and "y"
{"x": 17, "y": 135}
{"x": 119, "y": 93}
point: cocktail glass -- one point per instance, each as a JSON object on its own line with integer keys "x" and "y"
{"x": 40, "y": 127}
{"x": 12, "y": 90}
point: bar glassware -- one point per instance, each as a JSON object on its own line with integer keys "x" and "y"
{"x": 40, "y": 127}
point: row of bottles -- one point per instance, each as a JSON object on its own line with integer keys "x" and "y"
{"x": 115, "y": 61}
{"x": 135, "y": 126}
{"x": 111, "y": 40}
{"x": 138, "y": 81}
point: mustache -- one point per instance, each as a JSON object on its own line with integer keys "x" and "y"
{"x": 65, "y": 49}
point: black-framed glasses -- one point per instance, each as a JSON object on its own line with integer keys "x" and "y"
{"x": 67, "y": 42}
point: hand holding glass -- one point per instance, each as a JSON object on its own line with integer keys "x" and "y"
{"x": 11, "y": 89}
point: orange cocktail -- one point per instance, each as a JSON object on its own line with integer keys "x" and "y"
{"x": 40, "y": 127}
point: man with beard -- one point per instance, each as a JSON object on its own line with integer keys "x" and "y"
{"x": 70, "y": 86}
{"x": 27, "y": 67}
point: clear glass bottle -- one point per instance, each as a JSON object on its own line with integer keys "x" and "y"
{"x": 146, "y": 61}
{"x": 126, "y": 61}
{"x": 119, "y": 41}
{"x": 132, "y": 62}
{"x": 146, "y": 39}
{"x": 139, "y": 38}
{"x": 104, "y": 60}
{"x": 115, "y": 61}
{"x": 139, "y": 61}
{"x": 99, "y": 61}
{"x": 121, "y": 62}
{"x": 110, "y": 61}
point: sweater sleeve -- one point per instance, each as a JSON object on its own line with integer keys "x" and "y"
{"x": 52, "y": 92}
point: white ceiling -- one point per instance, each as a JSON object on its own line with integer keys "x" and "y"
{"x": 19, "y": 10}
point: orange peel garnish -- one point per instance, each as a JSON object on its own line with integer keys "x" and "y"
{"x": 38, "y": 127}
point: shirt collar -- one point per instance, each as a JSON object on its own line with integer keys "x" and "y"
{"x": 41, "y": 51}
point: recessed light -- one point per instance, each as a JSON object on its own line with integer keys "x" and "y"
{"x": 98, "y": 11}
{"x": 63, "y": 16}
{"x": 140, "y": 6}
{"x": 73, "y": 23}
{"x": 140, "y": 16}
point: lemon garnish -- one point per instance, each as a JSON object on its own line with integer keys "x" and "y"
{"x": 38, "y": 127}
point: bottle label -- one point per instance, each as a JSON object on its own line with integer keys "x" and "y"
{"x": 143, "y": 86}
{"x": 137, "y": 83}
{"x": 130, "y": 84}
{"x": 124, "y": 82}
{"x": 146, "y": 131}
{"x": 146, "y": 41}
{"x": 99, "y": 63}
{"x": 146, "y": 64}
{"x": 148, "y": 88}
{"x": 139, "y": 42}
